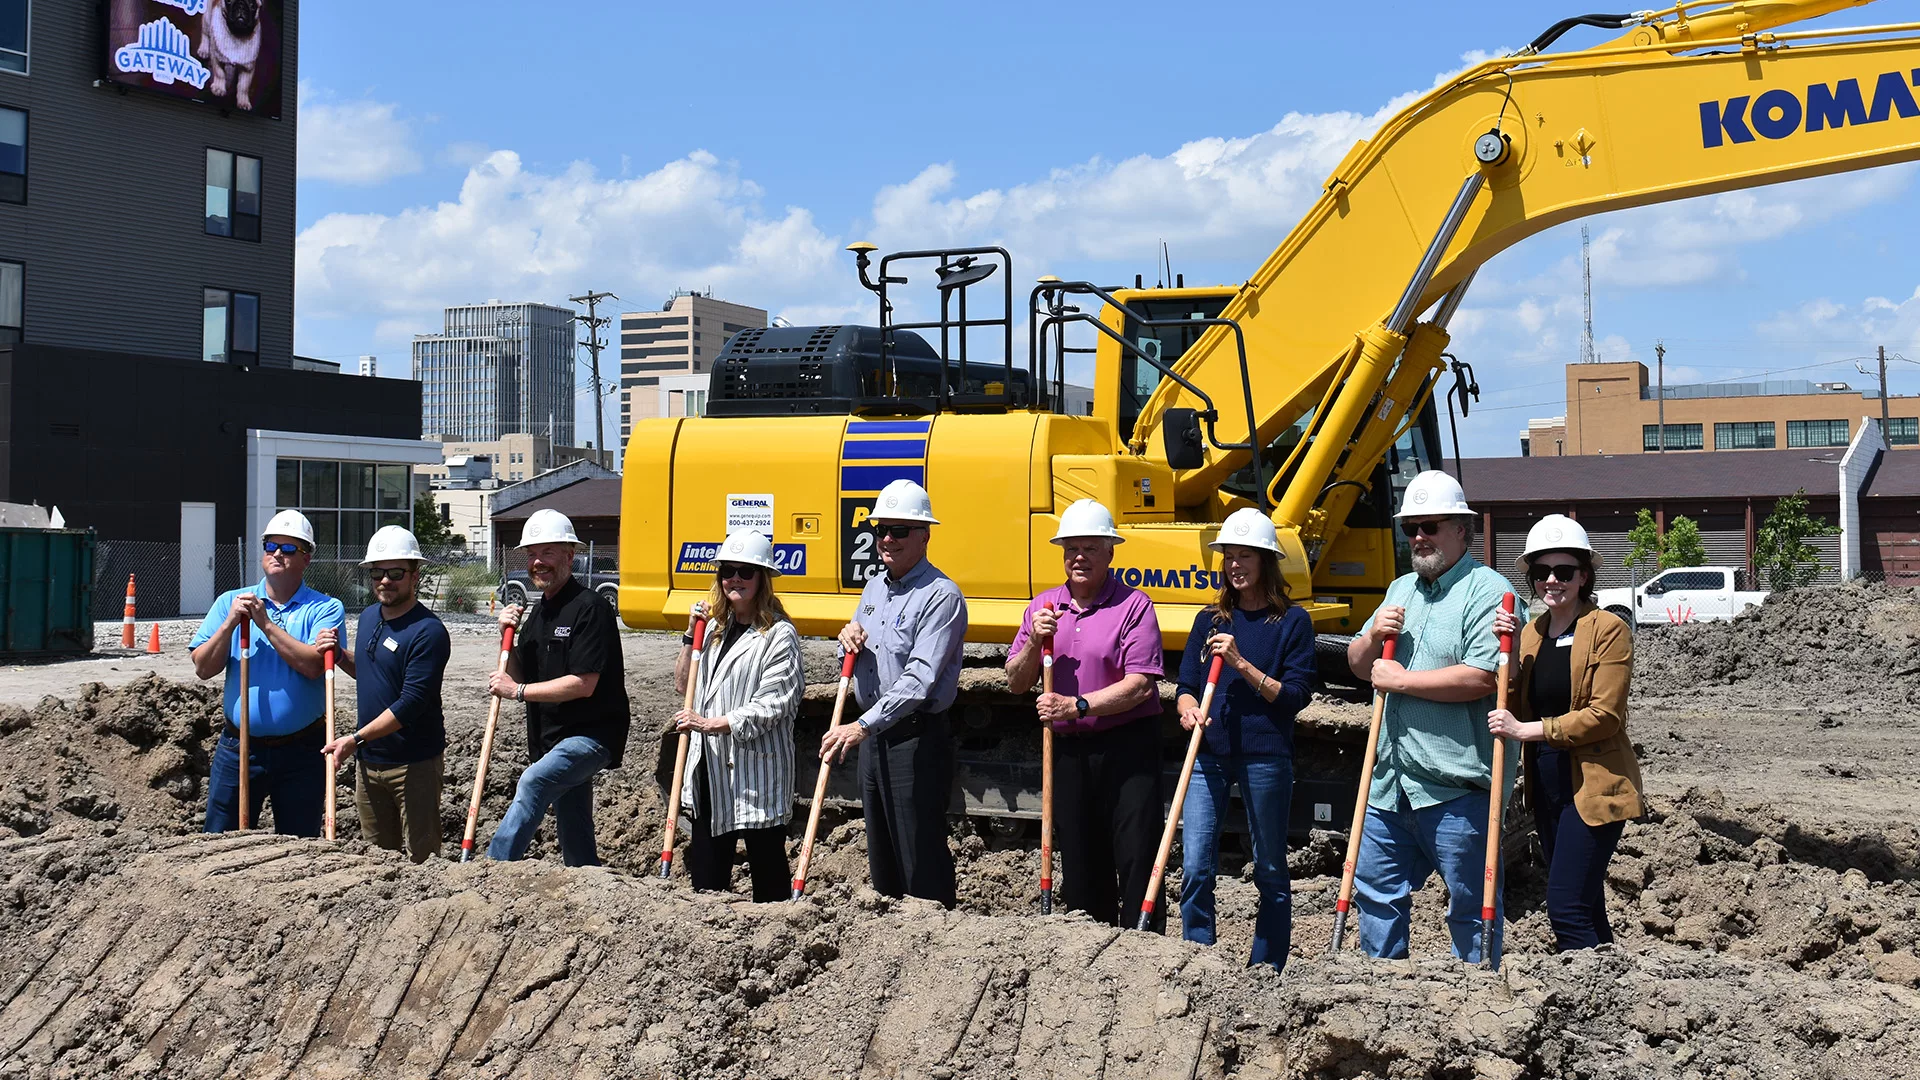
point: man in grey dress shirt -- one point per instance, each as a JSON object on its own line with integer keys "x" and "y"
{"x": 907, "y": 632}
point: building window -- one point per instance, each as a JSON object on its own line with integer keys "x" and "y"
{"x": 1679, "y": 437}
{"x": 233, "y": 195}
{"x": 1816, "y": 433}
{"x": 230, "y": 330}
{"x": 346, "y": 501}
{"x": 1903, "y": 431}
{"x": 13, "y": 35}
{"x": 1758, "y": 435}
{"x": 13, "y": 154}
{"x": 13, "y": 302}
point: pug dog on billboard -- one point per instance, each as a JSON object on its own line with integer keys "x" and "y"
{"x": 230, "y": 33}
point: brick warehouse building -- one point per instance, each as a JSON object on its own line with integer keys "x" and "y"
{"x": 1872, "y": 494}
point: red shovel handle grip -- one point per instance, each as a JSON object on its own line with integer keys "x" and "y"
{"x": 246, "y": 635}
{"x": 846, "y": 665}
{"x": 1046, "y": 643}
{"x": 1506, "y": 640}
{"x": 506, "y": 639}
{"x": 327, "y": 658}
{"x": 1387, "y": 650}
{"x": 699, "y": 635}
{"x": 1213, "y": 673}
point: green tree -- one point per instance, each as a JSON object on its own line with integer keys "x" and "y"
{"x": 1682, "y": 546}
{"x": 427, "y": 526}
{"x": 1781, "y": 553}
{"x": 1645, "y": 538}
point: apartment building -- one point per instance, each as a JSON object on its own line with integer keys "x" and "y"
{"x": 659, "y": 350}
{"x": 1616, "y": 409}
{"x": 498, "y": 368}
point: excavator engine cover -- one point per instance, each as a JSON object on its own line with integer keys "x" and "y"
{"x": 840, "y": 370}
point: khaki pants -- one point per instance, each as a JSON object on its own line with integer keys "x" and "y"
{"x": 392, "y": 795}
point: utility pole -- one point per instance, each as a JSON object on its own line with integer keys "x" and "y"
{"x": 594, "y": 343}
{"x": 1660, "y": 351}
{"x": 1886, "y": 426}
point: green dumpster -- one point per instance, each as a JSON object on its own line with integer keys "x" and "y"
{"x": 46, "y": 592}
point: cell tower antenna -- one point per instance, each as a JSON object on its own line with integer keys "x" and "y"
{"x": 1586, "y": 285}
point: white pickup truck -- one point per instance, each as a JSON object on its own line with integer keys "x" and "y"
{"x": 1682, "y": 594}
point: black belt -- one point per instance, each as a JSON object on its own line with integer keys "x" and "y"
{"x": 912, "y": 725}
{"x": 232, "y": 732}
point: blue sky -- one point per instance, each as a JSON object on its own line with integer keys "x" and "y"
{"x": 456, "y": 152}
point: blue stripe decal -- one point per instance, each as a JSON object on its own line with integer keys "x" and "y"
{"x": 889, "y": 427}
{"x": 875, "y": 477}
{"x": 883, "y": 448}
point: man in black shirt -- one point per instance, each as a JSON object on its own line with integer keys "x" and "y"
{"x": 566, "y": 665}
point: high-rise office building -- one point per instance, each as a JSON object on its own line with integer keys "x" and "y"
{"x": 370, "y": 367}
{"x": 661, "y": 350}
{"x": 497, "y": 368}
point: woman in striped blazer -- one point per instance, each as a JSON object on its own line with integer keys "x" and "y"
{"x": 740, "y": 760}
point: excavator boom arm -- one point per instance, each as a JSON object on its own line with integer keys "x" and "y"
{"x": 1586, "y": 132}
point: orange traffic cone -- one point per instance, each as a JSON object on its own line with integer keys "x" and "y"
{"x": 126, "y": 619}
{"x": 153, "y": 641}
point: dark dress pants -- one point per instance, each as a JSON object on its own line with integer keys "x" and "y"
{"x": 1107, "y": 816}
{"x": 906, "y": 778}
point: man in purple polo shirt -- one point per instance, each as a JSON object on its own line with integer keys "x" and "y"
{"x": 1105, "y": 712}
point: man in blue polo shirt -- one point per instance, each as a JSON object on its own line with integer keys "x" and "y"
{"x": 398, "y": 659}
{"x": 285, "y": 699}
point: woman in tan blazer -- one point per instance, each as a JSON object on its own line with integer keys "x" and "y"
{"x": 1582, "y": 779}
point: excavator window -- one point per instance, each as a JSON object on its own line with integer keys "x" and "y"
{"x": 1137, "y": 378}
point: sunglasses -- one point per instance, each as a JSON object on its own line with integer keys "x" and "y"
{"x": 388, "y": 573}
{"x": 1415, "y": 528}
{"x": 735, "y": 571}
{"x": 898, "y": 532}
{"x": 1561, "y": 572}
{"x": 268, "y": 547}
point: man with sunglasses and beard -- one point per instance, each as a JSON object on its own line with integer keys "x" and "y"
{"x": 907, "y": 632}
{"x": 567, "y": 667}
{"x": 398, "y": 661}
{"x": 285, "y": 697}
{"x": 1427, "y": 808}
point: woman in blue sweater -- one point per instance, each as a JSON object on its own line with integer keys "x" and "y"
{"x": 1267, "y": 645}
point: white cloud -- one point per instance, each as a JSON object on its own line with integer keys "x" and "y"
{"x": 362, "y": 142}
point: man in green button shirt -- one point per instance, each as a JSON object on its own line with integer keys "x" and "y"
{"x": 1427, "y": 810}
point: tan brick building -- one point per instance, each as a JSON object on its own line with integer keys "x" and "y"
{"x": 659, "y": 348}
{"x": 1614, "y": 409}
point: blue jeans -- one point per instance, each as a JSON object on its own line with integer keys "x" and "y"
{"x": 562, "y": 779}
{"x": 1400, "y": 849}
{"x": 1266, "y": 787}
{"x": 294, "y": 776}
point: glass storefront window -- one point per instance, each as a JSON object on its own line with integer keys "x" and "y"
{"x": 286, "y": 483}
{"x": 357, "y": 484}
{"x": 320, "y": 484}
{"x": 394, "y": 481}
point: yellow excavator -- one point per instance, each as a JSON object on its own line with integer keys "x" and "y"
{"x": 1308, "y": 390}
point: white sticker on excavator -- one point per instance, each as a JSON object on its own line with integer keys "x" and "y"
{"x": 1386, "y": 409}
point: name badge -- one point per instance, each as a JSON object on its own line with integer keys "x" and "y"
{"x": 563, "y": 631}
{"x": 1564, "y": 641}
{"x": 392, "y": 645}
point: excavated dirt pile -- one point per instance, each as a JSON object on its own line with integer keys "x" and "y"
{"x": 1858, "y": 643}
{"x": 254, "y": 955}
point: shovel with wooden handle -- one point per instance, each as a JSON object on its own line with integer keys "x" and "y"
{"x": 680, "y": 755}
{"x": 1179, "y": 798}
{"x": 331, "y": 763}
{"x": 486, "y": 750}
{"x": 1360, "y": 810}
{"x": 1492, "y": 889}
{"x": 1046, "y": 780}
{"x": 246, "y": 735}
{"x": 820, "y": 781}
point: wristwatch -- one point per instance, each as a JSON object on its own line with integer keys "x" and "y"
{"x": 1080, "y": 706}
{"x": 359, "y": 740}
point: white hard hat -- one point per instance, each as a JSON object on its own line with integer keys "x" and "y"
{"x": 1247, "y": 527}
{"x": 1556, "y": 532}
{"x": 389, "y": 543}
{"x": 1086, "y": 517}
{"x": 547, "y": 527}
{"x": 290, "y": 523}
{"x": 748, "y": 546}
{"x": 1433, "y": 494}
{"x": 904, "y": 500}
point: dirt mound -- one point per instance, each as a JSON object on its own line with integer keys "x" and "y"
{"x": 136, "y": 754}
{"x": 262, "y": 956}
{"x": 1857, "y": 642}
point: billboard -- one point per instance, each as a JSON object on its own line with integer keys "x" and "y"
{"x": 226, "y": 52}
